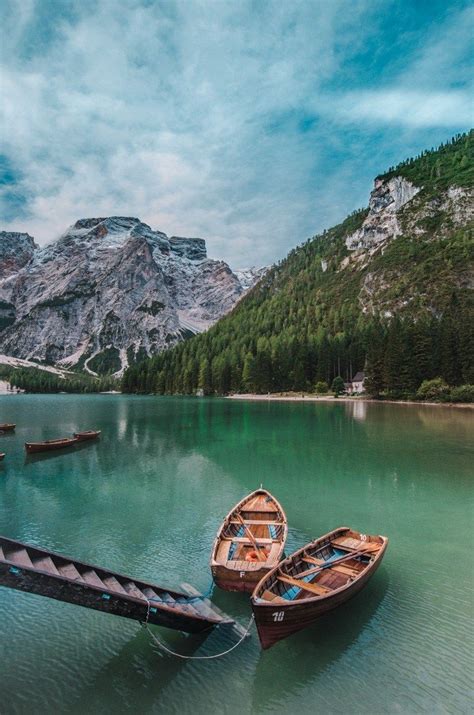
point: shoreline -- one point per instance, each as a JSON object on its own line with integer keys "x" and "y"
{"x": 328, "y": 398}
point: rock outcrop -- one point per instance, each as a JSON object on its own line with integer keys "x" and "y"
{"x": 382, "y": 222}
{"x": 109, "y": 291}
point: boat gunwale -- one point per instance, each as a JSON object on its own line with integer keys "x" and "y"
{"x": 99, "y": 589}
{"x": 237, "y": 509}
{"x": 311, "y": 599}
{"x": 59, "y": 440}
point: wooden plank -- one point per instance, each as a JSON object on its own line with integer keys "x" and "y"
{"x": 260, "y": 556}
{"x": 310, "y": 587}
{"x": 270, "y": 596}
{"x": 244, "y": 540}
{"x": 90, "y": 576}
{"x": 356, "y": 544}
{"x": 132, "y": 589}
{"x": 46, "y": 564}
{"x": 114, "y": 585}
{"x": 20, "y": 557}
{"x": 70, "y": 571}
{"x": 312, "y": 560}
{"x": 258, "y": 522}
{"x": 346, "y": 570}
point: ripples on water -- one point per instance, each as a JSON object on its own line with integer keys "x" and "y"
{"x": 148, "y": 500}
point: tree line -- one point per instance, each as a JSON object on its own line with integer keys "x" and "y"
{"x": 35, "y": 380}
{"x": 397, "y": 356}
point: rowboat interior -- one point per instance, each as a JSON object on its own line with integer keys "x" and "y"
{"x": 253, "y": 535}
{"x": 317, "y": 571}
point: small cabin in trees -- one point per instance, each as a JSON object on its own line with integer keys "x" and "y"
{"x": 356, "y": 385}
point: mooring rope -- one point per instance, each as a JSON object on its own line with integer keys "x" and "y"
{"x": 198, "y": 657}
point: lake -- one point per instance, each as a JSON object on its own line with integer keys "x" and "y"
{"x": 148, "y": 499}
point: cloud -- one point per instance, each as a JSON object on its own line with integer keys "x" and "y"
{"x": 251, "y": 124}
{"x": 405, "y": 107}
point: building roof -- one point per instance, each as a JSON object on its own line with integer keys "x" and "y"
{"x": 358, "y": 377}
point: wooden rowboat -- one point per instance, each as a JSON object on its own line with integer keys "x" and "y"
{"x": 88, "y": 434}
{"x": 315, "y": 579}
{"x": 249, "y": 543}
{"x": 7, "y": 427}
{"x": 2, "y": 456}
{"x": 50, "y": 444}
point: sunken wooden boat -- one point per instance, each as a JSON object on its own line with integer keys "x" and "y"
{"x": 249, "y": 543}
{"x": 45, "y": 573}
{"x": 7, "y": 427}
{"x": 88, "y": 434}
{"x": 319, "y": 577}
{"x": 50, "y": 444}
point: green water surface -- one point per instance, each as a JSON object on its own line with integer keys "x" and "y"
{"x": 148, "y": 499}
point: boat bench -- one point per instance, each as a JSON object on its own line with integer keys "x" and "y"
{"x": 258, "y": 522}
{"x": 311, "y": 587}
{"x": 245, "y": 540}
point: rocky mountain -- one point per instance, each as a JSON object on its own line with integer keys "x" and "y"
{"x": 107, "y": 292}
{"x": 388, "y": 290}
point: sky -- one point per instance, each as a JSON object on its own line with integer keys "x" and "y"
{"x": 253, "y": 124}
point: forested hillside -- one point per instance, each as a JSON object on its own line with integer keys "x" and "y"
{"x": 389, "y": 290}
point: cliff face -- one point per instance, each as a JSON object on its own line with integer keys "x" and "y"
{"x": 108, "y": 291}
{"x": 382, "y": 222}
{"x": 390, "y": 287}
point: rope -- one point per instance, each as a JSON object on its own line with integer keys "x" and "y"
{"x": 198, "y": 657}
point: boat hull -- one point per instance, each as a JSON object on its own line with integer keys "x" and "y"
{"x": 272, "y": 626}
{"x": 238, "y": 572}
{"x": 31, "y": 579}
{"x": 86, "y": 436}
{"x": 34, "y": 447}
{"x": 7, "y": 427}
{"x": 243, "y": 581}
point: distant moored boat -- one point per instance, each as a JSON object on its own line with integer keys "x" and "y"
{"x": 319, "y": 577}
{"x": 7, "y": 427}
{"x": 2, "y": 456}
{"x": 50, "y": 444}
{"x": 87, "y": 434}
{"x": 249, "y": 543}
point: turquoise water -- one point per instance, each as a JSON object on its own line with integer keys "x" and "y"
{"x": 148, "y": 499}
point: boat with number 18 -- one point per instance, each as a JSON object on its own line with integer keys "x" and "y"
{"x": 315, "y": 579}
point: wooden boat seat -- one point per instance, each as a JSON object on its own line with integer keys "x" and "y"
{"x": 258, "y": 522}
{"x": 313, "y": 560}
{"x": 311, "y": 587}
{"x": 270, "y": 596}
{"x": 345, "y": 570}
{"x": 348, "y": 542}
{"x": 245, "y": 540}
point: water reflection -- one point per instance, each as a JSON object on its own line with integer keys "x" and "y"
{"x": 329, "y": 642}
{"x": 148, "y": 499}
{"x": 356, "y": 410}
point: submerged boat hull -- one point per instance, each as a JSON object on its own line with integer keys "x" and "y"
{"x": 278, "y": 619}
{"x": 46, "y": 573}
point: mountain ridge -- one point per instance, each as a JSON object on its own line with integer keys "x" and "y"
{"x": 389, "y": 290}
{"x": 109, "y": 290}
